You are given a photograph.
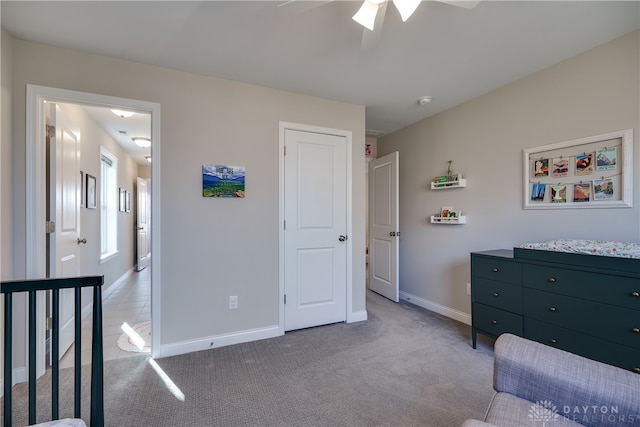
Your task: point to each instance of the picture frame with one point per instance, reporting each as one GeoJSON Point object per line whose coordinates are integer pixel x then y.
{"type": "Point", "coordinates": [611, 184]}
{"type": "Point", "coordinates": [121, 199]}
{"type": "Point", "coordinates": [369, 149]}
{"type": "Point", "coordinates": [127, 202]}
{"type": "Point", "coordinates": [82, 186]}
{"type": "Point", "coordinates": [223, 181]}
{"type": "Point", "coordinates": [91, 194]}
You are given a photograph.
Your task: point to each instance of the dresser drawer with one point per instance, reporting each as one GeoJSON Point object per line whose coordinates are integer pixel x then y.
{"type": "Point", "coordinates": [495, 321]}
{"type": "Point", "coordinates": [505, 296]}
{"type": "Point", "coordinates": [495, 268]}
{"type": "Point", "coordinates": [620, 325]}
{"type": "Point", "coordinates": [584, 345]}
{"type": "Point", "coordinates": [611, 289]}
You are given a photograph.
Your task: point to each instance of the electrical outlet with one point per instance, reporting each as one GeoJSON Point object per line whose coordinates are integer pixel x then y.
{"type": "Point", "coordinates": [468, 288]}
{"type": "Point", "coordinates": [233, 302]}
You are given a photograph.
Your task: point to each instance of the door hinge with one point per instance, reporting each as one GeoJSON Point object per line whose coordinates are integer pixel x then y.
{"type": "Point", "coordinates": [285, 224]}
{"type": "Point", "coordinates": [49, 325]}
{"type": "Point", "coordinates": [51, 131]}
{"type": "Point", "coordinates": [285, 298]}
{"type": "Point", "coordinates": [285, 150]}
{"type": "Point", "coordinates": [50, 227]}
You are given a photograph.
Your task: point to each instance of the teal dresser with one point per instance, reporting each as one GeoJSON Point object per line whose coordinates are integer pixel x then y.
{"type": "Point", "coordinates": [585, 304]}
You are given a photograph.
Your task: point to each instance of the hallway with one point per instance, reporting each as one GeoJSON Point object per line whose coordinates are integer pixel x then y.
{"type": "Point", "coordinates": [130, 302]}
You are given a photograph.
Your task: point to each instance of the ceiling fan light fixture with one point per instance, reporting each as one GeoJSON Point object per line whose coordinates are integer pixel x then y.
{"type": "Point", "coordinates": [122, 113]}
{"type": "Point", "coordinates": [406, 7]}
{"type": "Point", "coordinates": [366, 15]}
{"type": "Point", "coordinates": [142, 142]}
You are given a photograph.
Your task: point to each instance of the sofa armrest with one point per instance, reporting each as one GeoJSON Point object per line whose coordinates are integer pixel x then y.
{"type": "Point", "coordinates": [580, 388]}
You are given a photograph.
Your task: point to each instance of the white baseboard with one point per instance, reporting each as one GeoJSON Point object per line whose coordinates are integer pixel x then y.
{"type": "Point", "coordinates": [458, 315]}
{"type": "Point", "coordinates": [216, 341]}
{"type": "Point", "coordinates": [357, 316]}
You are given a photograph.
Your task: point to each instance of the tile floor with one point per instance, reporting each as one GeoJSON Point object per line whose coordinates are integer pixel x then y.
{"type": "Point", "coordinates": [130, 302]}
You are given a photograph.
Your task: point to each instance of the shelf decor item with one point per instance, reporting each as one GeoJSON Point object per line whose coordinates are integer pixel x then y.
{"type": "Point", "coordinates": [448, 215]}
{"type": "Point", "coordinates": [450, 180]}
{"type": "Point", "coordinates": [439, 181]}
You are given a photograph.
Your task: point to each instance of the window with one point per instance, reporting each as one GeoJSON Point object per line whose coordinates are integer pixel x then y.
{"type": "Point", "coordinates": [108, 205]}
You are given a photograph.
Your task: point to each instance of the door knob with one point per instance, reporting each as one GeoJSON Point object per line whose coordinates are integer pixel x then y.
{"type": "Point", "coordinates": [83, 241]}
{"type": "Point", "coordinates": [342, 238]}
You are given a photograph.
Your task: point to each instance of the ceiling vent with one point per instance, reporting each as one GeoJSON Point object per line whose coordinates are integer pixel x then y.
{"type": "Point", "coordinates": [122, 132]}
{"type": "Point", "coordinates": [373, 133]}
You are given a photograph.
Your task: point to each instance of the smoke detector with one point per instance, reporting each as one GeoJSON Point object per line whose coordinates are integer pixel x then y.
{"type": "Point", "coordinates": [424, 100]}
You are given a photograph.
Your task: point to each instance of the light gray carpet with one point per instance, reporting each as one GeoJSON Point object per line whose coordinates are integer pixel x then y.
{"type": "Point", "coordinates": [405, 366]}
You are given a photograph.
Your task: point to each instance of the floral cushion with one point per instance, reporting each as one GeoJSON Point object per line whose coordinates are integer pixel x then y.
{"type": "Point", "coordinates": [588, 247]}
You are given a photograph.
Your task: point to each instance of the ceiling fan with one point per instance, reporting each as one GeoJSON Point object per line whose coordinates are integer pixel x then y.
{"type": "Point", "coordinates": [371, 15]}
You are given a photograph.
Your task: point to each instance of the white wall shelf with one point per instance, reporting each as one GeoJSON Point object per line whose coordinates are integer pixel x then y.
{"type": "Point", "coordinates": [448, 184]}
{"type": "Point", "coordinates": [441, 220]}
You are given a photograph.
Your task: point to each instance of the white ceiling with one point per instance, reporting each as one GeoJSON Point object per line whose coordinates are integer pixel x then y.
{"type": "Point", "coordinates": [450, 53]}
{"type": "Point", "coordinates": [123, 129]}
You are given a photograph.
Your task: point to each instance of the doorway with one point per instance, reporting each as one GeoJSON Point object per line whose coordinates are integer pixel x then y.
{"type": "Point", "coordinates": [36, 254]}
{"type": "Point", "coordinates": [384, 226]}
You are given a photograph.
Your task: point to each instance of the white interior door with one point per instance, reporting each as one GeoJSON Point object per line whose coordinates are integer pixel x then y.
{"type": "Point", "coordinates": [384, 226]}
{"type": "Point", "coordinates": [142, 226]}
{"type": "Point", "coordinates": [65, 195]}
{"type": "Point", "coordinates": [315, 249]}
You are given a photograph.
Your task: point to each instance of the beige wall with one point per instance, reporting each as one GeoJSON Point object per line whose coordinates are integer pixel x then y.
{"type": "Point", "coordinates": [6, 235]}
{"type": "Point", "coordinates": [593, 93]}
{"type": "Point", "coordinates": [211, 248]}
{"type": "Point", "coordinates": [6, 267]}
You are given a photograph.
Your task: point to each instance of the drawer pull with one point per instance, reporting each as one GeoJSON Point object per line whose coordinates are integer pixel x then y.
{"type": "Point", "coordinates": [495, 322]}
{"type": "Point", "coordinates": [553, 341]}
{"type": "Point", "coordinates": [495, 294]}
{"type": "Point", "coordinates": [635, 294]}
{"type": "Point", "coordinates": [552, 280]}
{"type": "Point", "coordinates": [636, 370]}
{"type": "Point", "coordinates": [552, 309]}
{"type": "Point", "coordinates": [636, 330]}
{"type": "Point", "coordinates": [495, 269]}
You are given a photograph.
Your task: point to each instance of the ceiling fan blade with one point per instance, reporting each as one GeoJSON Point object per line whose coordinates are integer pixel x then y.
{"type": "Point", "coordinates": [371, 38]}
{"type": "Point", "coordinates": [467, 4]}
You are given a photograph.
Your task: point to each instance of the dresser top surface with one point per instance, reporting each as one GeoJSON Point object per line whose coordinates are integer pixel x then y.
{"type": "Point", "coordinates": [503, 253]}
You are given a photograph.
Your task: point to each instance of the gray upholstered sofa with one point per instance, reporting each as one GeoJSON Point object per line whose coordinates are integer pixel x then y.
{"type": "Point", "coordinates": [538, 385]}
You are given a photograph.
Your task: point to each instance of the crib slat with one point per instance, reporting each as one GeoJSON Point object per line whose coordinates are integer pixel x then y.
{"type": "Point", "coordinates": [78, 353]}
{"type": "Point", "coordinates": [32, 357]}
{"type": "Point", "coordinates": [8, 360]}
{"type": "Point", "coordinates": [55, 355]}
{"type": "Point", "coordinates": [97, 368]}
